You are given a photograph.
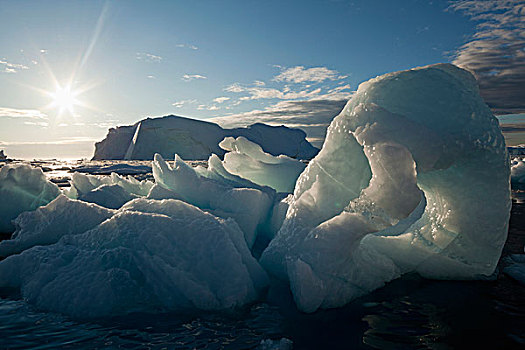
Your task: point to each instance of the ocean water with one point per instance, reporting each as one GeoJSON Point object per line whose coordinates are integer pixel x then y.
{"type": "Point", "coordinates": [408, 313]}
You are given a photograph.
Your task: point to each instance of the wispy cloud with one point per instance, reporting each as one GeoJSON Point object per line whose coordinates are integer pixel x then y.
{"type": "Point", "coordinates": [190, 77]}
{"type": "Point", "coordinates": [496, 53]}
{"type": "Point", "coordinates": [188, 46]}
{"type": "Point", "coordinates": [148, 57]}
{"type": "Point", "coordinates": [300, 74]}
{"type": "Point", "coordinates": [7, 67]}
{"type": "Point", "coordinates": [269, 93]}
{"type": "Point", "coordinates": [302, 85]}
{"type": "Point", "coordinates": [21, 113]}
{"type": "Point", "coordinates": [221, 99]}
{"type": "Point", "coordinates": [180, 104]}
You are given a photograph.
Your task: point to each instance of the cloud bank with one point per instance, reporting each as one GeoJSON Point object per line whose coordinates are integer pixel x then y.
{"type": "Point", "coordinates": [496, 53]}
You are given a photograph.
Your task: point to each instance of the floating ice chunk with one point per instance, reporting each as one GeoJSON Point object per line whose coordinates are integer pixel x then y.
{"type": "Point", "coordinates": [516, 267]}
{"type": "Point", "coordinates": [248, 160]}
{"type": "Point", "coordinates": [413, 176]}
{"type": "Point", "coordinates": [138, 261]}
{"type": "Point", "coordinates": [517, 170]}
{"type": "Point", "coordinates": [46, 225]}
{"type": "Point", "coordinates": [216, 171]}
{"type": "Point", "coordinates": [249, 207]}
{"type": "Point", "coordinates": [22, 188]}
{"type": "Point", "coordinates": [269, 344]}
{"type": "Point", "coordinates": [82, 184]}
{"type": "Point", "coordinates": [109, 196]}
{"type": "Point", "coordinates": [121, 169]}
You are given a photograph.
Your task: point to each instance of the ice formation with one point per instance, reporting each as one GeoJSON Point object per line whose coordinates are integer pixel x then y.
{"type": "Point", "coordinates": [120, 169]}
{"type": "Point", "coordinates": [46, 225]}
{"type": "Point", "coordinates": [110, 191]}
{"type": "Point", "coordinates": [151, 256]}
{"type": "Point", "coordinates": [250, 207]}
{"type": "Point", "coordinates": [515, 267]}
{"type": "Point", "coordinates": [517, 170]}
{"type": "Point", "coordinates": [22, 188]}
{"type": "Point", "coordinates": [413, 176]}
{"type": "Point", "coordinates": [247, 159]}
{"type": "Point", "coordinates": [195, 139]}
{"type": "Point", "coordinates": [2, 155]}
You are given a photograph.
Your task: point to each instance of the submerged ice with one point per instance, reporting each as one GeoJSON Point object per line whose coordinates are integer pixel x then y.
{"type": "Point", "coordinates": [413, 177]}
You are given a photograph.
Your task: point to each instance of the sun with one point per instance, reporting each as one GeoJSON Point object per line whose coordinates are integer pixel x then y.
{"type": "Point", "coordinates": [64, 98]}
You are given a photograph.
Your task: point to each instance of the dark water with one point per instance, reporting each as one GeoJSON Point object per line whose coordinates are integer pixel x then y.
{"type": "Point", "coordinates": [409, 313]}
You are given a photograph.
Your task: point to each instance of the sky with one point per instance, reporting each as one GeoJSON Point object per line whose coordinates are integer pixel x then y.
{"type": "Point", "coordinates": [69, 70]}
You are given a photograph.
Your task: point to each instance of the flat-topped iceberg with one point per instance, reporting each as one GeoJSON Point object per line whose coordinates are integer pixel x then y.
{"type": "Point", "coordinates": [413, 176]}
{"type": "Point", "coordinates": [196, 140]}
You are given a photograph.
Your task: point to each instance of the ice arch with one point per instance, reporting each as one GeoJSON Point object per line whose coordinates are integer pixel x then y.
{"type": "Point", "coordinates": [413, 176]}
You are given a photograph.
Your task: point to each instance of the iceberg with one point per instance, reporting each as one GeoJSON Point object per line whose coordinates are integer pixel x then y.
{"type": "Point", "coordinates": [413, 177]}
{"type": "Point", "coordinates": [517, 170]}
{"type": "Point", "coordinates": [247, 160]}
{"type": "Point", "coordinates": [249, 207]}
{"type": "Point", "coordinates": [515, 267]}
{"type": "Point", "coordinates": [108, 191]}
{"type": "Point", "coordinates": [195, 140]}
{"type": "Point", "coordinates": [46, 225]}
{"type": "Point", "coordinates": [151, 256]}
{"type": "Point", "coordinates": [22, 188]}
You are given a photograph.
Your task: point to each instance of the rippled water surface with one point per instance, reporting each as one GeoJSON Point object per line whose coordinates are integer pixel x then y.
{"type": "Point", "coordinates": [409, 313]}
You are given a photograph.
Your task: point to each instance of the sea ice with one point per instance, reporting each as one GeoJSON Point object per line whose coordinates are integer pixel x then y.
{"type": "Point", "coordinates": [515, 267]}
{"type": "Point", "coordinates": [151, 256]}
{"type": "Point", "coordinates": [46, 225]}
{"type": "Point", "coordinates": [22, 188]}
{"type": "Point", "coordinates": [517, 170]}
{"type": "Point", "coordinates": [249, 207]}
{"type": "Point", "coordinates": [247, 160]}
{"type": "Point", "coordinates": [413, 176]}
{"type": "Point", "coordinates": [108, 191]}
{"type": "Point", "coordinates": [120, 169]}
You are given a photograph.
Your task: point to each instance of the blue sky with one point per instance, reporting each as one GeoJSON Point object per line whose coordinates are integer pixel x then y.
{"type": "Point", "coordinates": [291, 62]}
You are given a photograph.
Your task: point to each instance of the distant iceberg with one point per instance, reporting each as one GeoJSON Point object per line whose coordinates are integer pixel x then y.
{"type": "Point", "coordinates": [195, 140]}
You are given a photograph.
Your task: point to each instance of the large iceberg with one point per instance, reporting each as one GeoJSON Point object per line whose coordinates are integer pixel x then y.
{"type": "Point", "coordinates": [22, 188]}
{"type": "Point", "coordinates": [195, 140]}
{"type": "Point", "coordinates": [413, 176]}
